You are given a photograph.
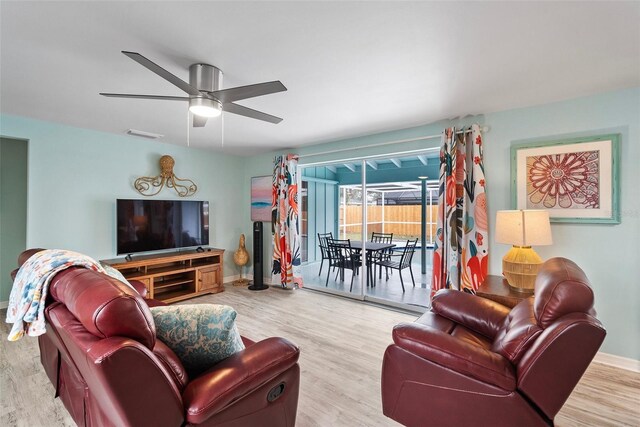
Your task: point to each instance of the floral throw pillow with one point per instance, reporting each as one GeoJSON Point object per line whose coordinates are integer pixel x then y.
{"type": "Point", "coordinates": [201, 335]}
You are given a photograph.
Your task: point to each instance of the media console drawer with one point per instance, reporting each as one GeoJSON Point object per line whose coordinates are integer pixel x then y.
{"type": "Point", "coordinates": [175, 276]}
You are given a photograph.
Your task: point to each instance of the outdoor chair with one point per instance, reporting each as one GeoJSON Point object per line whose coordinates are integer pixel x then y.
{"type": "Point", "coordinates": [324, 250]}
{"type": "Point", "coordinates": [400, 261]}
{"type": "Point", "coordinates": [382, 255]}
{"type": "Point", "coordinates": [343, 256]}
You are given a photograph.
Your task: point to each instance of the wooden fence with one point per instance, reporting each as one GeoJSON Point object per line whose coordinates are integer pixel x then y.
{"type": "Point", "coordinates": [401, 220]}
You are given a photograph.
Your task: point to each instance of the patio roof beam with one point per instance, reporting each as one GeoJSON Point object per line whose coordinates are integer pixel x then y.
{"type": "Point", "coordinates": [350, 166]}
{"type": "Point", "coordinates": [423, 160]}
{"type": "Point", "coordinates": [372, 164]}
{"type": "Point", "coordinates": [388, 186]}
{"type": "Point", "coordinates": [321, 180]}
{"type": "Point", "coordinates": [331, 168]}
{"type": "Point", "coordinates": [396, 162]}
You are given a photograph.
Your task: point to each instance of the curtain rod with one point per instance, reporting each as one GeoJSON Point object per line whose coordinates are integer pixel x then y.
{"type": "Point", "coordinates": [484, 129]}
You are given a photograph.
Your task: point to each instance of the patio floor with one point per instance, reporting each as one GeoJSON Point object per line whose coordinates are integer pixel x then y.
{"type": "Point", "coordinates": [390, 290]}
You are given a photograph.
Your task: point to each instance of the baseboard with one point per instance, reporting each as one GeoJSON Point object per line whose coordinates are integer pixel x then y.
{"type": "Point", "coordinates": [267, 280]}
{"type": "Point", "coordinates": [618, 361]}
{"type": "Point", "coordinates": [229, 279]}
{"type": "Point", "coordinates": [4, 304]}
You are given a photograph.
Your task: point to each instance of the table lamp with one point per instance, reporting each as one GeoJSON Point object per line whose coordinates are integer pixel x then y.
{"type": "Point", "coordinates": [522, 229]}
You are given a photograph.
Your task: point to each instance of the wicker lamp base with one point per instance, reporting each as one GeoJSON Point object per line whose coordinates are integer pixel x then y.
{"type": "Point", "coordinates": [520, 267]}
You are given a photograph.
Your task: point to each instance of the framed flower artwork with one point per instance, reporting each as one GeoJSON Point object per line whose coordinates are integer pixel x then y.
{"type": "Point", "coordinates": [576, 180]}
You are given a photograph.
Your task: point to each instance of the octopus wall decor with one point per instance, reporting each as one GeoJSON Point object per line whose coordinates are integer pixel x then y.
{"type": "Point", "coordinates": [152, 185]}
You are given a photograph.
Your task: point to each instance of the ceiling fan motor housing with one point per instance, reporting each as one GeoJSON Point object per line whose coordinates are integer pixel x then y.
{"type": "Point", "coordinates": [205, 77]}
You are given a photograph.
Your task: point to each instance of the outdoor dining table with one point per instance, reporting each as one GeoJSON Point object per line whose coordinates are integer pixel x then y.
{"type": "Point", "coordinates": [371, 248]}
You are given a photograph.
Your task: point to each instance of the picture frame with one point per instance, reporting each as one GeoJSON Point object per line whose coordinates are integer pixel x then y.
{"type": "Point", "coordinates": [576, 180]}
{"type": "Point", "coordinates": [261, 187]}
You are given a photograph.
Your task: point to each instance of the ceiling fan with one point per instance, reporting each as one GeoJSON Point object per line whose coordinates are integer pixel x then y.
{"type": "Point", "coordinates": [206, 99]}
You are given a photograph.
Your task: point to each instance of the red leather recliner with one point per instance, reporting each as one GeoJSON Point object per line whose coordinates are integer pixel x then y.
{"type": "Point", "coordinates": [472, 361]}
{"type": "Point", "coordinates": [101, 354]}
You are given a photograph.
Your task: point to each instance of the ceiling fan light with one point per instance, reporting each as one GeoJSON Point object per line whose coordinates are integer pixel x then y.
{"type": "Point", "coordinates": [205, 107]}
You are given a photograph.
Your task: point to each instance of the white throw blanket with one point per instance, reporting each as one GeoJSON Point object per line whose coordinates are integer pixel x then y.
{"type": "Point", "coordinates": [29, 291]}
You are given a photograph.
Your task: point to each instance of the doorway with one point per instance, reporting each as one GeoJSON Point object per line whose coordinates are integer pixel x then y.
{"type": "Point", "coordinates": [13, 208]}
{"type": "Point", "coordinates": [357, 201]}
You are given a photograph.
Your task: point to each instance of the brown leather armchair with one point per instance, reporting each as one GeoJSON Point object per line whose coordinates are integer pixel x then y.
{"type": "Point", "coordinates": [472, 361]}
{"type": "Point", "coordinates": [101, 354]}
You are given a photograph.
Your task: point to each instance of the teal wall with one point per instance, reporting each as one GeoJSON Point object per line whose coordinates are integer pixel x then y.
{"type": "Point", "coordinates": [75, 175]}
{"type": "Point", "coordinates": [607, 253]}
{"type": "Point", "coordinates": [13, 208]}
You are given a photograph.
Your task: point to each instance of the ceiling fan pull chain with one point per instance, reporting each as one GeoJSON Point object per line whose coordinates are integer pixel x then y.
{"type": "Point", "coordinates": [188, 128]}
{"type": "Point", "coordinates": [222, 130]}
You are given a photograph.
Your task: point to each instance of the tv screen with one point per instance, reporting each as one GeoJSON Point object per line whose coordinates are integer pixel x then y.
{"type": "Point", "coordinates": [152, 225]}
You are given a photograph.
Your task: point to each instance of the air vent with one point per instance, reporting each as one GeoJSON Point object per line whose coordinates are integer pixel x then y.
{"type": "Point", "coordinates": [143, 134]}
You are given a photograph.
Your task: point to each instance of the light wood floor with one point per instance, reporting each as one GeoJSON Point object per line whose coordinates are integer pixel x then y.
{"type": "Point", "coordinates": [342, 343]}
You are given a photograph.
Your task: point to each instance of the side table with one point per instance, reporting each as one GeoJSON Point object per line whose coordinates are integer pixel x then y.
{"type": "Point", "coordinates": [497, 289]}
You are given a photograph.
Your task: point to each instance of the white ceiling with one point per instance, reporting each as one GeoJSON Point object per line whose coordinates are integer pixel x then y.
{"type": "Point", "coordinates": [352, 68]}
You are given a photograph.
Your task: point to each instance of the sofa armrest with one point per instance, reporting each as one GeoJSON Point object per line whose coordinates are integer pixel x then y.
{"type": "Point", "coordinates": [478, 314]}
{"type": "Point", "coordinates": [139, 287]}
{"type": "Point", "coordinates": [142, 290]}
{"type": "Point", "coordinates": [248, 342]}
{"type": "Point", "coordinates": [236, 376]}
{"type": "Point", "coordinates": [457, 355]}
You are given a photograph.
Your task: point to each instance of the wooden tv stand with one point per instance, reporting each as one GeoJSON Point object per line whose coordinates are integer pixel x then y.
{"type": "Point", "coordinates": [175, 276]}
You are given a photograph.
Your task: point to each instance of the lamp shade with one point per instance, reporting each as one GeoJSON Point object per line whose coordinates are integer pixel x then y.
{"type": "Point", "coordinates": [523, 227]}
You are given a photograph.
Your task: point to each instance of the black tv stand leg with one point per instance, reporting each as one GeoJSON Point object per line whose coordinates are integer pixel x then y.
{"type": "Point", "coordinates": [129, 257]}
{"type": "Point", "coordinates": [199, 249]}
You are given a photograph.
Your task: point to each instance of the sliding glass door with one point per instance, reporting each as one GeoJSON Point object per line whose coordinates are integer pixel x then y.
{"type": "Point", "coordinates": [376, 207]}
{"type": "Point", "coordinates": [402, 211]}
{"type": "Point", "coordinates": [319, 223]}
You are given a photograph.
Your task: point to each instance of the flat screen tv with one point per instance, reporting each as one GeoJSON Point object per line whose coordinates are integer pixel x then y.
{"type": "Point", "coordinates": [154, 225]}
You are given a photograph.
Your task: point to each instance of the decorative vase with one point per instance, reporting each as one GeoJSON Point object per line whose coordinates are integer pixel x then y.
{"type": "Point", "coordinates": [241, 258]}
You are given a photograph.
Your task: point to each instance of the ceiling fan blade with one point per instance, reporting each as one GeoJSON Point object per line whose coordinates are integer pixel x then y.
{"type": "Point", "coordinates": [162, 73]}
{"type": "Point", "coordinates": [199, 121]}
{"type": "Point", "coordinates": [126, 95]}
{"type": "Point", "coordinates": [250, 91]}
{"type": "Point", "coordinates": [248, 112]}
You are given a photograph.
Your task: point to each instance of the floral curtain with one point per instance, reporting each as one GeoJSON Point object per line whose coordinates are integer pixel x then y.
{"type": "Point", "coordinates": [460, 257]}
{"type": "Point", "coordinates": [285, 223]}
